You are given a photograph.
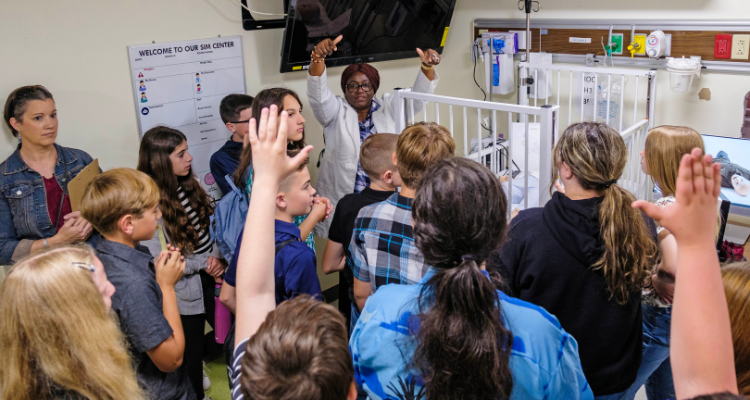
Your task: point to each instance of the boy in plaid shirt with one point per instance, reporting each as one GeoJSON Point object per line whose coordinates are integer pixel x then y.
{"type": "Point", "coordinates": [382, 247]}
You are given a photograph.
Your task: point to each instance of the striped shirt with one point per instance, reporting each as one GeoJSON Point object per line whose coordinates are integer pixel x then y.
{"type": "Point", "coordinates": [234, 370]}
{"type": "Point", "coordinates": [204, 238]}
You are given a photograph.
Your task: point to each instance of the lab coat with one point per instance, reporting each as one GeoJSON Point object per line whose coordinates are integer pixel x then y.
{"type": "Point", "coordinates": [338, 168]}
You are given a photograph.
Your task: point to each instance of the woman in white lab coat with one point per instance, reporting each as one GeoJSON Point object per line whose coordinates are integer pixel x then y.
{"type": "Point", "coordinates": [349, 120]}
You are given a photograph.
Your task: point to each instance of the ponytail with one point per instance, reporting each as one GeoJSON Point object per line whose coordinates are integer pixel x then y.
{"type": "Point", "coordinates": [459, 218]}
{"type": "Point", "coordinates": [461, 328]}
{"type": "Point", "coordinates": [629, 249]}
{"type": "Point", "coordinates": [597, 155]}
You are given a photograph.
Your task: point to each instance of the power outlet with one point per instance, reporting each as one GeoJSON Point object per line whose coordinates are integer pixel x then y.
{"type": "Point", "coordinates": [740, 47]}
{"type": "Point", "coordinates": [723, 46]}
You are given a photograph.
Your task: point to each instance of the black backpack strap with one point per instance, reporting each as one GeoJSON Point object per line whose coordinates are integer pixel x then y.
{"type": "Point", "coordinates": [284, 244]}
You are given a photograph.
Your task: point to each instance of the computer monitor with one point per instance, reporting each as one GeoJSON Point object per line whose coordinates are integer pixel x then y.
{"type": "Point", "coordinates": [733, 154]}
{"type": "Point", "coordinates": [372, 30]}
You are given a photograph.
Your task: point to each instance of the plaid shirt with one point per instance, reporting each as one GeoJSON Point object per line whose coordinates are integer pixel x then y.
{"type": "Point", "coordinates": [366, 128]}
{"type": "Point", "coordinates": [383, 248]}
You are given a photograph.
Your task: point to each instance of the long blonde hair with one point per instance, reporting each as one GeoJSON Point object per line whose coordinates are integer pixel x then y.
{"type": "Point", "coordinates": [737, 289]}
{"type": "Point", "coordinates": [56, 333]}
{"type": "Point", "coordinates": [665, 146]}
{"type": "Point", "coordinates": [597, 155]}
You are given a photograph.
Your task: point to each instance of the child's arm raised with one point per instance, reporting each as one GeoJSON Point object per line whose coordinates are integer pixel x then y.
{"type": "Point", "coordinates": [701, 351]}
{"type": "Point", "coordinates": [255, 263]}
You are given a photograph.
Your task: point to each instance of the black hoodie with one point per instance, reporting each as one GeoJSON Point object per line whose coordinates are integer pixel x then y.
{"type": "Point", "coordinates": [547, 261]}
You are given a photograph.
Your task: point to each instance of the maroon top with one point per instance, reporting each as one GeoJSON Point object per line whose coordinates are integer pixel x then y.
{"type": "Point", "coordinates": [54, 192]}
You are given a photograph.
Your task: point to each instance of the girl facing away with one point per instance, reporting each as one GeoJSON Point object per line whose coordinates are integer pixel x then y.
{"type": "Point", "coordinates": [453, 335]}
{"type": "Point", "coordinates": [58, 339]}
{"type": "Point", "coordinates": [665, 146]}
{"type": "Point", "coordinates": [585, 256]}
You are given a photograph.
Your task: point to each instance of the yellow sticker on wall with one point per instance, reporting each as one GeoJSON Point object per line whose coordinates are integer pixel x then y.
{"type": "Point", "coordinates": [445, 36]}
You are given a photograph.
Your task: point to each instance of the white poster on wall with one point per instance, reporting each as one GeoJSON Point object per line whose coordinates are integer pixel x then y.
{"type": "Point", "coordinates": [180, 85]}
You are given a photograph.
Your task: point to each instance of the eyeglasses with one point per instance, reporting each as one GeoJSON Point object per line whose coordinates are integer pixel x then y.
{"type": "Point", "coordinates": [239, 122]}
{"type": "Point", "coordinates": [88, 267]}
{"type": "Point", "coordinates": [21, 93]}
{"type": "Point", "coordinates": [354, 87]}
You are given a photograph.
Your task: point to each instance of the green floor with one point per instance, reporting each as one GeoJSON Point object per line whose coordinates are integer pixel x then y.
{"type": "Point", "coordinates": [217, 372]}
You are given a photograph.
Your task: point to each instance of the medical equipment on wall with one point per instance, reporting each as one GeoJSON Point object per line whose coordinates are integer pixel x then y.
{"type": "Point", "coordinates": [543, 83]}
{"type": "Point", "coordinates": [682, 71]}
{"type": "Point", "coordinates": [500, 48]}
{"type": "Point", "coordinates": [658, 44]}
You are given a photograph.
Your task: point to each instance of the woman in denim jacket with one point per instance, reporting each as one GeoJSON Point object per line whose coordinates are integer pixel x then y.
{"type": "Point", "coordinates": [34, 205]}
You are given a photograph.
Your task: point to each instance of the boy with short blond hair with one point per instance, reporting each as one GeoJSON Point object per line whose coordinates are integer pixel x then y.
{"type": "Point", "coordinates": [382, 246]}
{"type": "Point", "coordinates": [376, 157]}
{"type": "Point", "coordinates": [123, 205]}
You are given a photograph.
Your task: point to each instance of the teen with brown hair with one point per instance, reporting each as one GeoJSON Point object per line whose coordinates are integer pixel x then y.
{"type": "Point", "coordinates": [286, 101]}
{"type": "Point", "coordinates": [382, 245]}
{"type": "Point", "coordinates": [585, 256]}
{"type": "Point", "coordinates": [298, 350]}
{"type": "Point", "coordinates": [186, 210]}
{"type": "Point", "coordinates": [58, 343]}
{"type": "Point", "coordinates": [453, 335]}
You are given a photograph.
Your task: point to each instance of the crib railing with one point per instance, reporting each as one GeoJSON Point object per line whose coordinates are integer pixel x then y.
{"type": "Point", "coordinates": [411, 107]}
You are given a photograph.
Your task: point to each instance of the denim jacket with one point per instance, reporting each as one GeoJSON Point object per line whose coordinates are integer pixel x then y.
{"type": "Point", "coordinates": [24, 217]}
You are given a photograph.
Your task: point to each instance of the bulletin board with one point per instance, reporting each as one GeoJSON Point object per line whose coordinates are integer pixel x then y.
{"type": "Point", "coordinates": [180, 85]}
{"type": "Point", "coordinates": [688, 38]}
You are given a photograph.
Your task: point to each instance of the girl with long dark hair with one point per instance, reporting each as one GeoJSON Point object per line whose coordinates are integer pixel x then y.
{"type": "Point", "coordinates": [453, 335]}
{"type": "Point", "coordinates": [586, 255]}
{"type": "Point", "coordinates": [186, 210]}
{"type": "Point", "coordinates": [287, 101]}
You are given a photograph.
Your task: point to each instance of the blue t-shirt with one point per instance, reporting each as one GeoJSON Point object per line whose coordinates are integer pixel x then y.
{"type": "Point", "coordinates": [544, 359]}
{"type": "Point", "coordinates": [295, 268]}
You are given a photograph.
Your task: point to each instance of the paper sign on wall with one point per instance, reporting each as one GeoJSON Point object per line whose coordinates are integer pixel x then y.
{"type": "Point", "coordinates": [180, 85]}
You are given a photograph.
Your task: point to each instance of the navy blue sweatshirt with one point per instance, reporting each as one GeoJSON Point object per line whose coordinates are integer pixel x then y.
{"type": "Point", "coordinates": [547, 261]}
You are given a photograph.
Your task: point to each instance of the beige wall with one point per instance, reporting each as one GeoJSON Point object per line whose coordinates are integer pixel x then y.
{"type": "Point", "coordinates": [77, 48]}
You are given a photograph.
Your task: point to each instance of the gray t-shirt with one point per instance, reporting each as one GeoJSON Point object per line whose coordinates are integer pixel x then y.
{"type": "Point", "coordinates": [138, 303]}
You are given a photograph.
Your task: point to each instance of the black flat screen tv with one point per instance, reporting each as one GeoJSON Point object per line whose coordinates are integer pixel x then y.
{"type": "Point", "coordinates": [373, 30]}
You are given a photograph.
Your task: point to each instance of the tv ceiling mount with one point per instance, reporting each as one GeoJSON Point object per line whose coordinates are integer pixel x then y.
{"type": "Point", "coordinates": [251, 24]}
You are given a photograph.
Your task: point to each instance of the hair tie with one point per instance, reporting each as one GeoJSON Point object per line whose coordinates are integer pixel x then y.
{"type": "Point", "coordinates": [468, 257]}
{"type": "Point", "coordinates": [609, 183]}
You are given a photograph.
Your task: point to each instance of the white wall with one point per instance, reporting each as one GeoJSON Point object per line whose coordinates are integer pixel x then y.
{"type": "Point", "coordinates": [77, 49]}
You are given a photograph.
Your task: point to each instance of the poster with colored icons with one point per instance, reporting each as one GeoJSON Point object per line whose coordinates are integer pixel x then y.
{"type": "Point", "coordinates": [180, 85]}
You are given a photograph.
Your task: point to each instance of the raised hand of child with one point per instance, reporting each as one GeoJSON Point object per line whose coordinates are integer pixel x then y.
{"type": "Point", "coordinates": [692, 218]}
{"type": "Point", "coordinates": [169, 267]}
{"type": "Point", "coordinates": [269, 147]}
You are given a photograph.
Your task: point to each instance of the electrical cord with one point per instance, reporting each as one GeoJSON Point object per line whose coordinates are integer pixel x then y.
{"type": "Point", "coordinates": [253, 11]}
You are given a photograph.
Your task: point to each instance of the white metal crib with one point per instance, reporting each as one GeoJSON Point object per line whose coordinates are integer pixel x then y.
{"type": "Point", "coordinates": [497, 153]}
{"type": "Point", "coordinates": [531, 193]}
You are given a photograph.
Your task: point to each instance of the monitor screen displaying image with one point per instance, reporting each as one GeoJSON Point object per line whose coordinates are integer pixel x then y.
{"type": "Point", "coordinates": [372, 30]}
{"type": "Point", "coordinates": [733, 154]}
